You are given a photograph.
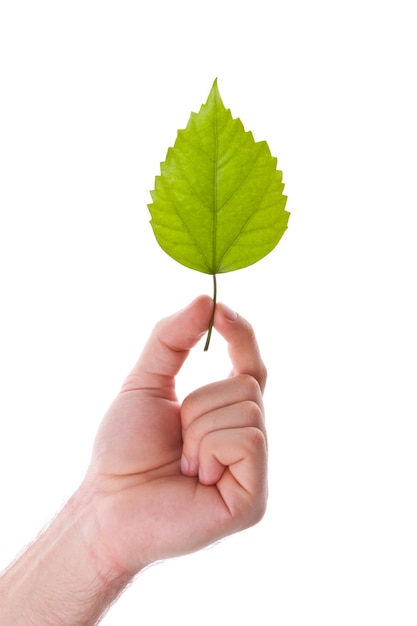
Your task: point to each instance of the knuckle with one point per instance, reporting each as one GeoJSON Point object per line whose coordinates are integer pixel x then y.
{"type": "Point", "coordinates": [250, 332]}
{"type": "Point", "coordinates": [263, 375]}
{"type": "Point", "coordinates": [252, 413]}
{"type": "Point", "coordinates": [159, 327]}
{"type": "Point", "coordinates": [256, 439]}
{"type": "Point", "coordinates": [190, 407]}
{"type": "Point", "coordinates": [253, 443]}
{"type": "Point", "coordinates": [250, 386]}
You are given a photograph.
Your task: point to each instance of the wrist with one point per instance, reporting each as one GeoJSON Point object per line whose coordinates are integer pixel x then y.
{"type": "Point", "coordinates": [84, 511]}
{"type": "Point", "coordinates": [65, 576]}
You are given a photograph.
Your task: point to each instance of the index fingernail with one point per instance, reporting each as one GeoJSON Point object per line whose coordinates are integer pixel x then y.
{"type": "Point", "coordinates": [229, 313]}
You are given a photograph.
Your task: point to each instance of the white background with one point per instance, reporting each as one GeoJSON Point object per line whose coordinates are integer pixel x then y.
{"type": "Point", "coordinates": [92, 94]}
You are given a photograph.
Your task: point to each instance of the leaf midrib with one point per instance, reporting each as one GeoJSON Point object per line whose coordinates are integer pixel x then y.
{"type": "Point", "coordinates": [215, 183]}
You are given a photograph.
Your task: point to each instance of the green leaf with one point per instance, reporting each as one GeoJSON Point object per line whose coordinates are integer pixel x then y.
{"type": "Point", "coordinates": [218, 204]}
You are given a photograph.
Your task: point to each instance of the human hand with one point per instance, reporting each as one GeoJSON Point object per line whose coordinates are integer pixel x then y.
{"type": "Point", "coordinates": [168, 478]}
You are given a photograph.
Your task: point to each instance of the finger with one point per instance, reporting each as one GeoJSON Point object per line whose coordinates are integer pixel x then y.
{"type": "Point", "coordinates": [240, 415]}
{"type": "Point", "coordinates": [243, 347]}
{"type": "Point", "coordinates": [217, 395]}
{"type": "Point", "coordinates": [168, 346]}
{"type": "Point", "coordinates": [235, 461]}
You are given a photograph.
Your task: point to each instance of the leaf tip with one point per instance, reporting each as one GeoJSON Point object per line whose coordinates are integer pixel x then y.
{"type": "Point", "coordinates": [215, 89]}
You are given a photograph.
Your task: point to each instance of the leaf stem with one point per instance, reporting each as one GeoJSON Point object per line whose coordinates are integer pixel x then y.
{"type": "Point", "coordinates": [210, 328]}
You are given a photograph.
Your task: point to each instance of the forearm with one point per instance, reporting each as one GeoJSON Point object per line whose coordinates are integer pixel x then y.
{"type": "Point", "coordinates": [63, 578]}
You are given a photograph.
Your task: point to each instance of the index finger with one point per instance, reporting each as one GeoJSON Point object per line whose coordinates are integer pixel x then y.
{"type": "Point", "coordinates": [242, 344]}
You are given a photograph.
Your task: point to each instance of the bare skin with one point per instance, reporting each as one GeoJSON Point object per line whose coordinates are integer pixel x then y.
{"type": "Point", "coordinates": [165, 478]}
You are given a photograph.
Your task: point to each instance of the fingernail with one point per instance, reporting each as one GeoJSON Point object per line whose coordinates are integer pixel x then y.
{"type": "Point", "coordinates": [229, 313]}
{"type": "Point", "coordinates": [185, 466]}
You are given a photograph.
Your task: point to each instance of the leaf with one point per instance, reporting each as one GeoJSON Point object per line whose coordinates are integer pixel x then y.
{"type": "Point", "coordinates": [218, 204]}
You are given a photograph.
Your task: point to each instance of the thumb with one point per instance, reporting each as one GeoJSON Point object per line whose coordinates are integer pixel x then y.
{"type": "Point", "coordinates": [169, 345]}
